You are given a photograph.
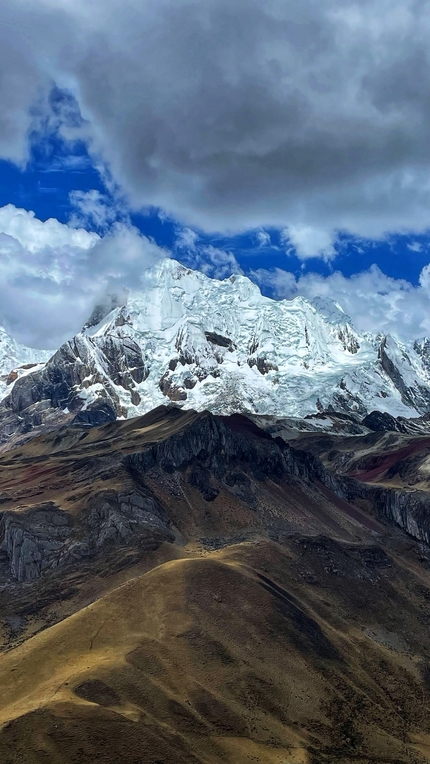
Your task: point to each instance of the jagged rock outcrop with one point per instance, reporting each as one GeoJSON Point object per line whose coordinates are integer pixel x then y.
{"type": "Point", "coordinates": [116, 518]}
{"type": "Point", "coordinates": [381, 421]}
{"type": "Point", "coordinates": [216, 443]}
{"type": "Point", "coordinates": [47, 537]}
{"type": "Point", "coordinates": [399, 367]}
{"type": "Point", "coordinates": [408, 509]}
{"type": "Point", "coordinates": [35, 540]}
{"type": "Point", "coordinates": [208, 453]}
{"type": "Point", "coordinates": [118, 488]}
{"type": "Point", "coordinates": [77, 384]}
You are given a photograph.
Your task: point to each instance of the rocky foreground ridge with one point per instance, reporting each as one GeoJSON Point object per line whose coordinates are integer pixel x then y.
{"type": "Point", "coordinates": [216, 589]}
{"type": "Point", "coordinates": [78, 494]}
{"type": "Point", "coordinates": [205, 344]}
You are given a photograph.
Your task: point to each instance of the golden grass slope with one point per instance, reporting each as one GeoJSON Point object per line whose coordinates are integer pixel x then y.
{"type": "Point", "coordinates": [220, 658]}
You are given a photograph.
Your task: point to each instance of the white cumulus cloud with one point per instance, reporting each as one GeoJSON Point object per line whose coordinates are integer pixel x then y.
{"type": "Point", "coordinates": [52, 275]}
{"type": "Point", "coordinates": [308, 241]}
{"type": "Point", "coordinates": [376, 302]}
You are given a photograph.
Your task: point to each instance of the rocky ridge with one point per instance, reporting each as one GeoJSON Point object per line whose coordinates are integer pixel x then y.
{"type": "Point", "coordinates": [110, 487]}
{"type": "Point", "coordinates": [211, 589]}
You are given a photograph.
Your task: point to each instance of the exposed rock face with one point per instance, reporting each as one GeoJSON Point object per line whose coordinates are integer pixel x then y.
{"type": "Point", "coordinates": [397, 364]}
{"type": "Point", "coordinates": [410, 510]}
{"type": "Point", "coordinates": [116, 518]}
{"type": "Point", "coordinates": [78, 365]}
{"type": "Point", "coordinates": [217, 444]}
{"type": "Point", "coordinates": [124, 484]}
{"type": "Point", "coordinates": [34, 541]}
{"type": "Point", "coordinates": [209, 454]}
{"type": "Point", "coordinates": [218, 339]}
{"type": "Point", "coordinates": [381, 421]}
{"type": "Point", "coordinates": [47, 537]}
{"type": "Point", "coordinates": [97, 413]}
{"type": "Point", "coordinates": [78, 383]}
{"type": "Point", "coordinates": [171, 391]}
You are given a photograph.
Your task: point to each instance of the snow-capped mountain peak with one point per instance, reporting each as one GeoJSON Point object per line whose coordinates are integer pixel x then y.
{"type": "Point", "coordinates": [221, 345]}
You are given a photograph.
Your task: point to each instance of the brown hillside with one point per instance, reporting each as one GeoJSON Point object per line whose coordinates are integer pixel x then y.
{"type": "Point", "coordinates": [274, 623]}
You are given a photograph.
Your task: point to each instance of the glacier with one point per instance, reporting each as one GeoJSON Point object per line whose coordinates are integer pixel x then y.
{"type": "Point", "coordinates": [200, 343]}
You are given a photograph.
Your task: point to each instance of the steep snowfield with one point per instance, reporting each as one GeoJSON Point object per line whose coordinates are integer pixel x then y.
{"type": "Point", "coordinates": [221, 345]}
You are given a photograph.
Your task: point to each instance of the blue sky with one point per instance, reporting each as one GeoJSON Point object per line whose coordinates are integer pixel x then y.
{"type": "Point", "coordinates": [287, 141]}
{"type": "Point", "coordinates": [55, 169]}
{"type": "Point", "coordinates": [59, 174]}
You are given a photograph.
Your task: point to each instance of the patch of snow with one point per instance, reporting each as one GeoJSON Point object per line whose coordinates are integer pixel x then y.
{"type": "Point", "coordinates": [13, 357]}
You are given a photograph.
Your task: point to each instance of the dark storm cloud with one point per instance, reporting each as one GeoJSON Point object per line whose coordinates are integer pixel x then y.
{"type": "Point", "coordinates": [234, 114]}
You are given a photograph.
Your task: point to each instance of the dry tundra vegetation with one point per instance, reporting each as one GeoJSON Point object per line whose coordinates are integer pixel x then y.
{"type": "Point", "coordinates": [188, 589]}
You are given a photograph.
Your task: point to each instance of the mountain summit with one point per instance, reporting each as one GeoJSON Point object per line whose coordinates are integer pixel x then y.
{"type": "Point", "coordinates": [203, 344]}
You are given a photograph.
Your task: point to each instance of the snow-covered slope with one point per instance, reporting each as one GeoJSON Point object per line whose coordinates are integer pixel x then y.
{"type": "Point", "coordinates": [17, 360]}
{"type": "Point", "coordinates": [221, 345]}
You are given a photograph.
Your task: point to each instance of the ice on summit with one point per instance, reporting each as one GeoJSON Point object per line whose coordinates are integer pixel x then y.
{"type": "Point", "coordinates": [221, 345]}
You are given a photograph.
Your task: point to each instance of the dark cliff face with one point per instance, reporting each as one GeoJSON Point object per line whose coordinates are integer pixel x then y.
{"type": "Point", "coordinates": [416, 396]}
{"type": "Point", "coordinates": [387, 472]}
{"type": "Point", "coordinates": [218, 444]}
{"type": "Point", "coordinates": [117, 506]}
{"type": "Point", "coordinates": [408, 509]}
{"type": "Point", "coordinates": [381, 421]}
{"type": "Point", "coordinates": [139, 484]}
{"type": "Point", "coordinates": [56, 393]}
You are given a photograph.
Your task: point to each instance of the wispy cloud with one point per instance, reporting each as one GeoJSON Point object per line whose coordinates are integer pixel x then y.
{"type": "Point", "coordinates": [213, 261]}
{"type": "Point", "coordinates": [95, 210]}
{"type": "Point", "coordinates": [263, 238]}
{"type": "Point", "coordinates": [415, 246]}
{"type": "Point", "coordinates": [375, 301]}
{"type": "Point", "coordinates": [186, 239]}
